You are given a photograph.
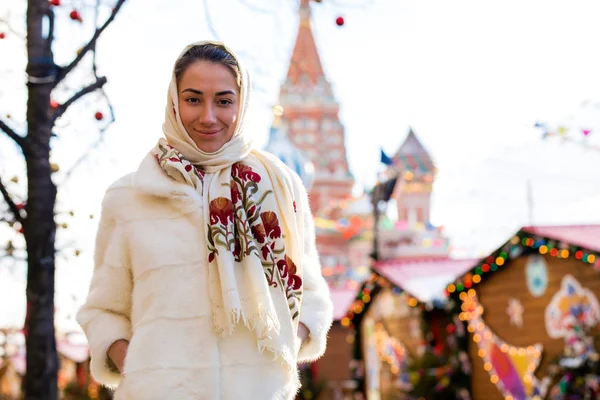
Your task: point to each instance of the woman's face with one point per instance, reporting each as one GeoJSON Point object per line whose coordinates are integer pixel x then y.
{"type": "Point", "coordinates": [208, 104]}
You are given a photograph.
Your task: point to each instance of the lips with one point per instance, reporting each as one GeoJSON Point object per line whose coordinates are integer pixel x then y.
{"type": "Point", "coordinates": [208, 133]}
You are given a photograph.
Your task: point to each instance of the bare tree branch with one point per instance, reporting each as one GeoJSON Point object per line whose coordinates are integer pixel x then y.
{"type": "Point", "coordinates": [91, 44]}
{"type": "Point", "coordinates": [11, 29]}
{"type": "Point", "coordinates": [11, 204]}
{"type": "Point", "coordinates": [20, 140]}
{"type": "Point", "coordinates": [88, 89]}
{"type": "Point", "coordinates": [82, 158]}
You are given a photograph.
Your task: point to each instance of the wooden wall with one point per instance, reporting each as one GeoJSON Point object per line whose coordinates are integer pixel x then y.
{"type": "Point", "coordinates": [401, 322]}
{"type": "Point", "coordinates": [334, 365]}
{"type": "Point", "coordinates": [508, 282]}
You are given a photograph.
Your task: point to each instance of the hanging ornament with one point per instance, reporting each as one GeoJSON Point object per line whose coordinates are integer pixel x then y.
{"type": "Point", "coordinates": [2, 35]}
{"type": "Point", "coordinates": [14, 179]}
{"type": "Point", "coordinates": [562, 130]}
{"type": "Point", "coordinates": [515, 312]}
{"type": "Point", "coordinates": [585, 132]}
{"type": "Point", "coordinates": [77, 253]}
{"type": "Point", "coordinates": [536, 275]}
{"type": "Point", "coordinates": [54, 104]}
{"type": "Point", "coordinates": [99, 116]}
{"type": "Point", "coordinates": [54, 167]}
{"type": "Point", "coordinates": [75, 16]}
{"type": "Point", "coordinates": [339, 21]}
{"type": "Point", "coordinates": [572, 306]}
{"type": "Point", "coordinates": [54, 2]}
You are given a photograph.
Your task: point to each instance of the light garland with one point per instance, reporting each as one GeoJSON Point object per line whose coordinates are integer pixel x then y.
{"type": "Point", "coordinates": [485, 340]}
{"type": "Point", "coordinates": [390, 350]}
{"type": "Point", "coordinates": [360, 305]}
{"type": "Point", "coordinates": [513, 249]}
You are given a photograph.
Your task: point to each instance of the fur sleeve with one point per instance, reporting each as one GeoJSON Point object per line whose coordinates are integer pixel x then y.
{"type": "Point", "coordinates": [105, 315]}
{"type": "Point", "coordinates": [317, 309]}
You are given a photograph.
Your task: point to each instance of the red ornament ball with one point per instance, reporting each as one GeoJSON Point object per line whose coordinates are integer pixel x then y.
{"type": "Point", "coordinates": [54, 104]}
{"type": "Point", "coordinates": [75, 16]}
{"type": "Point", "coordinates": [54, 2]}
{"type": "Point", "coordinates": [2, 35]}
{"type": "Point", "coordinates": [339, 21]}
{"type": "Point", "coordinates": [99, 115]}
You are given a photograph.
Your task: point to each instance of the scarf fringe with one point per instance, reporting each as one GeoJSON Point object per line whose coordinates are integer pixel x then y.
{"type": "Point", "coordinates": [264, 324]}
{"type": "Point", "coordinates": [270, 323]}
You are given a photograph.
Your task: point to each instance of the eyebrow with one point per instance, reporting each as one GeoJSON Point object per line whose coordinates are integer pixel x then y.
{"type": "Point", "coordinates": [198, 92]}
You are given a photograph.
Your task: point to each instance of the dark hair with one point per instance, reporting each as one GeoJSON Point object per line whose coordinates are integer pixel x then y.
{"type": "Point", "coordinates": [208, 52]}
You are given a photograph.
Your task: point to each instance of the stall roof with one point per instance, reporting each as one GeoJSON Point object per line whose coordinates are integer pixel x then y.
{"type": "Point", "coordinates": [342, 300]}
{"type": "Point", "coordinates": [587, 236]}
{"type": "Point", "coordinates": [583, 237]}
{"type": "Point", "coordinates": [425, 279]}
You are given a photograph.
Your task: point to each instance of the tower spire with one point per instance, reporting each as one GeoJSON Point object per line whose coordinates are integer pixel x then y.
{"type": "Point", "coordinates": [310, 117]}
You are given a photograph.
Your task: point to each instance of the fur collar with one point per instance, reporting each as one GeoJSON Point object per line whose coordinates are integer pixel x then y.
{"type": "Point", "coordinates": [151, 180]}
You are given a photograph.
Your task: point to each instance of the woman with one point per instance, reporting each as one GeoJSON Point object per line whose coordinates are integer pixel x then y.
{"type": "Point", "coordinates": [207, 283]}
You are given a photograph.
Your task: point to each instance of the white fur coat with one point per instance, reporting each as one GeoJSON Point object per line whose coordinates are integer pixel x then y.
{"type": "Point", "coordinates": [150, 287]}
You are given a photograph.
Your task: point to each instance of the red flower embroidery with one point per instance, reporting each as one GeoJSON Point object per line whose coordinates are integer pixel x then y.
{"type": "Point", "coordinates": [258, 231]}
{"type": "Point", "coordinates": [295, 210]}
{"type": "Point", "coordinates": [295, 282]}
{"type": "Point", "coordinates": [221, 209]}
{"type": "Point", "coordinates": [235, 192]}
{"type": "Point", "coordinates": [211, 257]}
{"type": "Point", "coordinates": [245, 173]}
{"type": "Point", "coordinates": [199, 172]}
{"type": "Point", "coordinates": [174, 159]}
{"type": "Point", "coordinates": [283, 267]}
{"type": "Point", "coordinates": [271, 224]}
{"type": "Point", "coordinates": [251, 211]}
{"type": "Point", "coordinates": [265, 251]}
{"type": "Point", "coordinates": [288, 269]}
{"type": "Point", "coordinates": [188, 168]}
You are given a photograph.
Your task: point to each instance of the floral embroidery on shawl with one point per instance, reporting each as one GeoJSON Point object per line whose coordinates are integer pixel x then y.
{"type": "Point", "coordinates": [240, 225]}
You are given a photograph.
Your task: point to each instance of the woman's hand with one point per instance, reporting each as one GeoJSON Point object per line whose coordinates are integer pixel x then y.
{"type": "Point", "coordinates": [303, 332]}
{"type": "Point", "coordinates": [117, 353]}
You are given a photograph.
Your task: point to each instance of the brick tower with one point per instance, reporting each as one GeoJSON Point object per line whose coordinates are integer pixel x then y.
{"type": "Point", "coordinates": [413, 196]}
{"type": "Point", "coordinates": [310, 116]}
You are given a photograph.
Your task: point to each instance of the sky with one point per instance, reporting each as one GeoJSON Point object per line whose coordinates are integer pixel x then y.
{"type": "Point", "coordinates": [470, 77]}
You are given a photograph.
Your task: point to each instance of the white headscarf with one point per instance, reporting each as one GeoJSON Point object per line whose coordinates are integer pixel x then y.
{"type": "Point", "coordinates": [237, 148]}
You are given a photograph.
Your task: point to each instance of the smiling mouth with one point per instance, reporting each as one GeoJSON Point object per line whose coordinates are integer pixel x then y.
{"type": "Point", "coordinates": [208, 133]}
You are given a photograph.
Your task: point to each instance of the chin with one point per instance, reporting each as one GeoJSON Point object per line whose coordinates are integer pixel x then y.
{"type": "Point", "coordinates": [209, 147]}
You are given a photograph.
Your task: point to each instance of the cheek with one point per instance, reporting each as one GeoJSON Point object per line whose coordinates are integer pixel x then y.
{"type": "Point", "coordinates": [186, 113]}
{"type": "Point", "coordinates": [230, 118]}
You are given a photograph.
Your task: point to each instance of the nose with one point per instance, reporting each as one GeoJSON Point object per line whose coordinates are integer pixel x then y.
{"type": "Point", "coordinates": [208, 115]}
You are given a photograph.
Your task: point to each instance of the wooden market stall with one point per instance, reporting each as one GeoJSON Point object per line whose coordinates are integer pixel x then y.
{"type": "Point", "coordinates": [532, 313]}
{"type": "Point", "coordinates": [406, 344]}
